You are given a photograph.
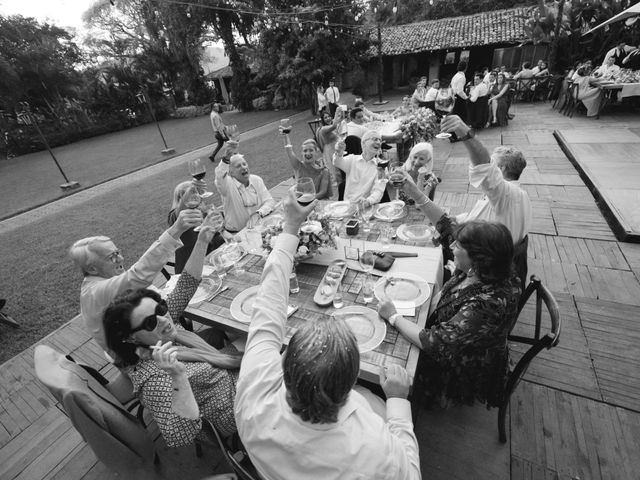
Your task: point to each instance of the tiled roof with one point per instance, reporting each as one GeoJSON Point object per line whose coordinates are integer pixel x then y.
{"type": "Point", "coordinates": [487, 28]}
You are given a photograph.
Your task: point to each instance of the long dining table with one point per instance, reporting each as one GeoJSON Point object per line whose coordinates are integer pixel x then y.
{"type": "Point", "coordinates": [394, 349]}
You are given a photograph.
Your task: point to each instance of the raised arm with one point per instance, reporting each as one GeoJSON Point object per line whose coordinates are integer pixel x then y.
{"type": "Point", "coordinates": [288, 147]}
{"type": "Point", "coordinates": [339, 159]}
{"type": "Point", "coordinates": [478, 154]}
{"type": "Point", "coordinates": [220, 179]}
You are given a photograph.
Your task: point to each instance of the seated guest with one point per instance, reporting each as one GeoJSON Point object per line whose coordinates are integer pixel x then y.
{"type": "Point", "coordinates": [608, 70]}
{"type": "Point", "coordinates": [537, 68]}
{"type": "Point", "coordinates": [464, 355]}
{"type": "Point", "coordinates": [632, 61]}
{"type": "Point", "coordinates": [497, 176]}
{"type": "Point", "coordinates": [189, 237]}
{"type": "Point", "coordinates": [499, 102]}
{"type": "Point", "coordinates": [478, 102]}
{"type": "Point", "coordinates": [361, 170]}
{"type": "Point", "coordinates": [541, 70]}
{"type": "Point", "coordinates": [105, 277]}
{"type": "Point", "coordinates": [299, 416]}
{"type": "Point", "coordinates": [419, 97]}
{"type": "Point", "coordinates": [588, 95]}
{"type": "Point", "coordinates": [177, 376]}
{"type": "Point", "coordinates": [310, 166]}
{"type": "Point", "coordinates": [505, 72]}
{"type": "Point", "coordinates": [432, 93]}
{"type": "Point", "coordinates": [419, 166]}
{"type": "Point", "coordinates": [525, 76]}
{"type": "Point", "coordinates": [243, 195]}
{"type": "Point", "coordinates": [356, 126]}
{"type": "Point", "coordinates": [618, 53]}
{"type": "Point", "coordinates": [369, 116]}
{"type": "Point", "coordinates": [405, 109]}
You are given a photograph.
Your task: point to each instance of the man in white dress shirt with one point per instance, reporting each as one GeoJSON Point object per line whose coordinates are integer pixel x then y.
{"type": "Point", "coordinates": [243, 195]}
{"type": "Point", "coordinates": [608, 70]}
{"type": "Point", "coordinates": [332, 94]}
{"type": "Point", "coordinates": [361, 170]}
{"type": "Point", "coordinates": [458, 83]}
{"type": "Point", "coordinates": [299, 416]}
{"type": "Point", "coordinates": [105, 277]}
{"type": "Point", "coordinates": [618, 53]}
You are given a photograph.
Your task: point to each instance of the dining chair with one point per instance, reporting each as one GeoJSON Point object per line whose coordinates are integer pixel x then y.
{"type": "Point", "coordinates": [520, 261]}
{"type": "Point", "coordinates": [572, 99]}
{"type": "Point", "coordinates": [233, 452]}
{"type": "Point", "coordinates": [536, 342]}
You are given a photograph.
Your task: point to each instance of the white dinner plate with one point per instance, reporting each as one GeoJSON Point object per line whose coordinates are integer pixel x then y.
{"type": "Point", "coordinates": [404, 288]}
{"type": "Point", "coordinates": [202, 293]}
{"type": "Point", "coordinates": [365, 324]}
{"type": "Point", "coordinates": [338, 209]}
{"type": "Point", "coordinates": [390, 211]}
{"type": "Point", "coordinates": [242, 306]}
{"type": "Point", "coordinates": [415, 233]}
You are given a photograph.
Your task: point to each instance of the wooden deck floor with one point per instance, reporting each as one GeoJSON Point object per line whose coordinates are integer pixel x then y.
{"type": "Point", "coordinates": [576, 415]}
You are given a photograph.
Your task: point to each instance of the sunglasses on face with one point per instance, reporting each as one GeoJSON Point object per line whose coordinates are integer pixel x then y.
{"type": "Point", "coordinates": [151, 322]}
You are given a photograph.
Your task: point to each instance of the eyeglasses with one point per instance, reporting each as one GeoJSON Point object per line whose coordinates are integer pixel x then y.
{"type": "Point", "coordinates": [151, 322]}
{"type": "Point", "coordinates": [114, 256]}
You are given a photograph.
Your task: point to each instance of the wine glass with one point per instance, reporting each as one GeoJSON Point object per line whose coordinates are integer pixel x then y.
{"type": "Point", "coordinates": [396, 177]}
{"type": "Point", "coordinates": [444, 106]}
{"type": "Point", "coordinates": [367, 261]}
{"type": "Point", "coordinates": [285, 126]}
{"type": "Point", "coordinates": [213, 219]}
{"type": "Point", "coordinates": [233, 132]}
{"type": "Point", "coordinates": [192, 198]}
{"type": "Point", "coordinates": [228, 257]}
{"type": "Point", "coordinates": [198, 172]}
{"type": "Point", "coordinates": [305, 191]}
{"type": "Point", "coordinates": [366, 212]}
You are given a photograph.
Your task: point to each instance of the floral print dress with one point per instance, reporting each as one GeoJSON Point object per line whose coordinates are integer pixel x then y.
{"type": "Point", "coordinates": [464, 344]}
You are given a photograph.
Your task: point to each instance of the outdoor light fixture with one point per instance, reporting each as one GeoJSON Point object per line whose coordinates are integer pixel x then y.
{"type": "Point", "coordinates": [143, 97]}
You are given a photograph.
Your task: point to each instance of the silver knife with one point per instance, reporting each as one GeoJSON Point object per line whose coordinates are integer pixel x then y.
{"type": "Point", "coordinates": [217, 292]}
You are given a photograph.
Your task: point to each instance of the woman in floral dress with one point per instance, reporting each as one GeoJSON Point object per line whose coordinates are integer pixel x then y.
{"type": "Point", "coordinates": [464, 343]}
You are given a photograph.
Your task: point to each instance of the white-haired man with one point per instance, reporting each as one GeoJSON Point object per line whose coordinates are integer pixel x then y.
{"type": "Point", "coordinates": [105, 277]}
{"type": "Point", "coordinates": [361, 170]}
{"type": "Point", "coordinates": [299, 416]}
{"type": "Point", "coordinates": [243, 195]}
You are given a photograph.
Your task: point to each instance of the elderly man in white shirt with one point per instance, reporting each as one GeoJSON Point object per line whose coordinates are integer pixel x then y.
{"type": "Point", "coordinates": [299, 416]}
{"type": "Point", "coordinates": [105, 277]}
{"type": "Point", "coordinates": [362, 182]}
{"type": "Point", "coordinates": [608, 70]}
{"type": "Point", "coordinates": [243, 195]}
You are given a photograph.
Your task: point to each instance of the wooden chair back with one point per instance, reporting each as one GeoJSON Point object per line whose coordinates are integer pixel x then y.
{"type": "Point", "coordinates": [544, 299]}
{"type": "Point", "coordinates": [235, 456]}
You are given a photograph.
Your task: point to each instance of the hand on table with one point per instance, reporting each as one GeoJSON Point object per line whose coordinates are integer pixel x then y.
{"type": "Point", "coordinates": [386, 309]}
{"type": "Point", "coordinates": [395, 381]}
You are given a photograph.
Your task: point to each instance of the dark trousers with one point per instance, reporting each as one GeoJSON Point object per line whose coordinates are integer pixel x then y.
{"type": "Point", "coordinates": [460, 108]}
{"type": "Point", "coordinates": [332, 109]}
{"type": "Point", "coordinates": [220, 139]}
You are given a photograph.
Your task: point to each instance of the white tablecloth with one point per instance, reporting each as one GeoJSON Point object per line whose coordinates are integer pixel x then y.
{"type": "Point", "coordinates": [629, 90]}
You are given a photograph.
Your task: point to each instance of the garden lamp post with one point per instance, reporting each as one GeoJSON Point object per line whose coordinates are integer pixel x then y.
{"type": "Point", "coordinates": [143, 98]}
{"type": "Point", "coordinates": [30, 119]}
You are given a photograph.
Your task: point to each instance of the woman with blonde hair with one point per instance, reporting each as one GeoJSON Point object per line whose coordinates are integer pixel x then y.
{"type": "Point", "coordinates": [311, 165]}
{"type": "Point", "coordinates": [419, 166]}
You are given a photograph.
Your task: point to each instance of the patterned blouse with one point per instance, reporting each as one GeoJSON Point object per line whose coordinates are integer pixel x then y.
{"type": "Point", "coordinates": [213, 388]}
{"type": "Point", "coordinates": [464, 345]}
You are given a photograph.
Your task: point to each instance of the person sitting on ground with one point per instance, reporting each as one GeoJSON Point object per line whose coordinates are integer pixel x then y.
{"type": "Point", "coordinates": [465, 357]}
{"type": "Point", "coordinates": [243, 195]}
{"type": "Point", "coordinates": [432, 93]}
{"type": "Point", "coordinates": [478, 102]}
{"type": "Point", "coordinates": [369, 116]}
{"type": "Point", "coordinates": [419, 97]}
{"type": "Point", "coordinates": [177, 376]}
{"type": "Point", "coordinates": [189, 237]}
{"type": "Point", "coordinates": [105, 277]}
{"type": "Point", "coordinates": [496, 175]}
{"type": "Point", "coordinates": [310, 166]}
{"type": "Point", "coordinates": [300, 414]}
{"type": "Point", "coordinates": [219, 129]}
{"type": "Point", "coordinates": [499, 102]}
{"type": "Point", "coordinates": [608, 70]}
{"type": "Point", "coordinates": [405, 109]}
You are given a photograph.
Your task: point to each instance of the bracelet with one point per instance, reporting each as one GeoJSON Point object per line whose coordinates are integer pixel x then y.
{"type": "Point", "coordinates": [424, 202]}
{"type": "Point", "coordinates": [393, 319]}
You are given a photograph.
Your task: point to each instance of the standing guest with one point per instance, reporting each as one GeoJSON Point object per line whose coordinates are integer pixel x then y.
{"type": "Point", "coordinates": [322, 100]}
{"type": "Point", "coordinates": [458, 83]}
{"type": "Point", "coordinates": [243, 195]}
{"type": "Point", "coordinates": [632, 61]}
{"type": "Point", "coordinates": [178, 377]}
{"type": "Point", "coordinates": [300, 416]}
{"type": "Point", "coordinates": [432, 93]}
{"type": "Point", "coordinates": [361, 170]}
{"type": "Point", "coordinates": [465, 357]}
{"type": "Point", "coordinates": [189, 237]}
{"type": "Point", "coordinates": [332, 94]}
{"type": "Point", "coordinates": [327, 136]}
{"type": "Point", "coordinates": [618, 53]}
{"type": "Point", "coordinates": [478, 102]}
{"type": "Point", "coordinates": [219, 129]}
{"type": "Point", "coordinates": [419, 95]}
{"type": "Point", "coordinates": [105, 277]}
{"type": "Point", "coordinates": [499, 102]}
{"type": "Point", "coordinates": [608, 70]}
{"type": "Point", "coordinates": [311, 165]}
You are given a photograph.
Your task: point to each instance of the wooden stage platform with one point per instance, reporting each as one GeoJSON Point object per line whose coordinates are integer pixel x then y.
{"type": "Point", "coordinates": [575, 416]}
{"type": "Point", "coordinates": [608, 160]}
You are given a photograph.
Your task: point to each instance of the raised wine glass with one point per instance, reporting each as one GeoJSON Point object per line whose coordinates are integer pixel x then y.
{"type": "Point", "coordinates": [192, 198]}
{"type": "Point", "coordinates": [198, 172]}
{"type": "Point", "coordinates": [396, 177]}
{"type": "Point", "coordinates": [444, 106]}
{"type": "Point", "coordinates": [305, 191]}
{"type": "Point", "coordinates": [285, 126]}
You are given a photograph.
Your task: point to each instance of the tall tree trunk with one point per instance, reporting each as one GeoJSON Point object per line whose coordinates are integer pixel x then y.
{"type": "Point", "coordinates": [240, 93]}
{"type": "Point", "coordinates": [553, 54]}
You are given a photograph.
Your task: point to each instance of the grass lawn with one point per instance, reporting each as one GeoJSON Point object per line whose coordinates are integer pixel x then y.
{"type": "Point", "coordinates": [39, 281]}
{"type": "Point", "coordinates": [31, 180]}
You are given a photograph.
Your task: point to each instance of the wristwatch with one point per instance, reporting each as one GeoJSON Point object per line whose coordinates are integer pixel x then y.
{"type": "Point", "coordinates": [471, 133]}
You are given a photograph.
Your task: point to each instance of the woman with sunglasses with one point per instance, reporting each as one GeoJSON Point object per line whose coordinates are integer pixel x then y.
{"type": "Point", "coordinates": [178, 376]}
{"type": "Point", "coordinates": [464, 354]}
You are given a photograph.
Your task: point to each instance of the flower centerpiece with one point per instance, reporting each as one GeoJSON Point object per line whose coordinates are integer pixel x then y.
{"type": "Point", "coordinates": [420, 126]}
{"type": "Point", "coordinates": [320, 234]}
